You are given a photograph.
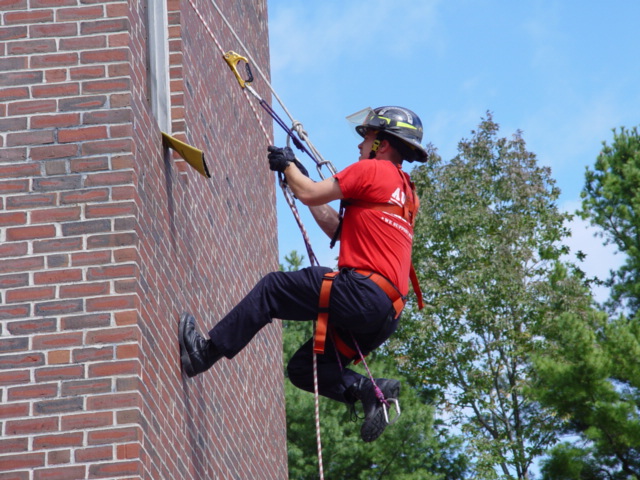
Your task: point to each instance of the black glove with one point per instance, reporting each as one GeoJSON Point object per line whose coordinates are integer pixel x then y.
{"type": "Point", "coordinates": [280, 158]}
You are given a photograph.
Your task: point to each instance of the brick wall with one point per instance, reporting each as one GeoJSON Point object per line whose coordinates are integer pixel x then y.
{"type": "Point", "coordinates": [106, 239]}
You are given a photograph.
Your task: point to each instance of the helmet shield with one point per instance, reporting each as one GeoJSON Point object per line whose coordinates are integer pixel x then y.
{"type": "Point", "coordinates": [398, 122]}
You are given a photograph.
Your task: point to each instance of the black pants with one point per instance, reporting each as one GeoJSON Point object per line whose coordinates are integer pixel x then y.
{"type": "Point", "coordinates": [358, 308]}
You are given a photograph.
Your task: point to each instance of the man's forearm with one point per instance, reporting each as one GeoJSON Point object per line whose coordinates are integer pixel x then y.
{"type": "Point", "coordinates": [327, 218]}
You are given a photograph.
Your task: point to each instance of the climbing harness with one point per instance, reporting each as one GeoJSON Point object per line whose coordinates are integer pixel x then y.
{"type": "Point", "coordinates": [300, 139]}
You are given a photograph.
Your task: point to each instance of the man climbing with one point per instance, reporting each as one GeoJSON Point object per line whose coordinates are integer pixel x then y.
{"type": "Point", "coordinates": [360, 304]}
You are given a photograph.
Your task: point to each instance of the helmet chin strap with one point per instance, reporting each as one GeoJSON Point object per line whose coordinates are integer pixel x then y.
{"type": "Point", "coordinates": [375, 146]}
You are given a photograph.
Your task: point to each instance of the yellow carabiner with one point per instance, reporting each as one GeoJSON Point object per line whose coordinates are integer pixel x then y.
{"type": "Point", "coordinates": [232, 58]}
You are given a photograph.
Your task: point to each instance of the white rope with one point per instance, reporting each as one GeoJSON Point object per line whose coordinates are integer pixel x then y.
{"type": "Point", "coordinates": [297, 126]}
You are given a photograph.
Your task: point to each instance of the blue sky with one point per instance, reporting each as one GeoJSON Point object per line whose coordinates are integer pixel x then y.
{"type": "Point", "coordinates": [564, 72]}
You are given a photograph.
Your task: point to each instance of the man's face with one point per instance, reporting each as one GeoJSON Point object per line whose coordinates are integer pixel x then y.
{"type": "Point", "coordinates": [366, 144]}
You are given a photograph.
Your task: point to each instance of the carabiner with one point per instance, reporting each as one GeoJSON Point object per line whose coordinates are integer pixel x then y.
{"type": "Point", "coordinates": [386, 408]}
{"type": "Point", "coordinates": [232, 58]}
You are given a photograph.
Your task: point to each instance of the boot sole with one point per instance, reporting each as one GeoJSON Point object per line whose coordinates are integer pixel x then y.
{"type": "Point", "coordinates": [184, 355]}
{"type": "Point", "coordinates": [375, 426]}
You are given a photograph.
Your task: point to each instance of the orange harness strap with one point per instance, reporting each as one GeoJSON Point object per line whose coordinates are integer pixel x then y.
{"type": "Point", "coordinates": [322, 323]}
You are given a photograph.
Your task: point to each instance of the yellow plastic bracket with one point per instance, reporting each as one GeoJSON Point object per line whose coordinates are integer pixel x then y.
{"type": "Point", "coordinates": [232, 58]}
{"type": "Point", "coordinates": [191, 155]}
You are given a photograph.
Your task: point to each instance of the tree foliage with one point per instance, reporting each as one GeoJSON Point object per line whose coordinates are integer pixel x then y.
{"type": "Point", "coordinates": [611, 200]}
{"type": "Point", "coordinates": [590, 371]}
{"type": "Point", "coordinates": [487, 247]}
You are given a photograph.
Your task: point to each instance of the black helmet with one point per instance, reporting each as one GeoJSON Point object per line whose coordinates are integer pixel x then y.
{"type": "Point", "coordinates": [397, 122]}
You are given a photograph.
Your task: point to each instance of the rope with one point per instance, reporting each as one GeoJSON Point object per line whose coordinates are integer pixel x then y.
{"type": "Point", "coordinates": [285, 189]}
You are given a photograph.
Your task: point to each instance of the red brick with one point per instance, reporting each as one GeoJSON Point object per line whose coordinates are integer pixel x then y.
{"type": "Point", "coordinates": [30, 107]}
{"type": "Point", "coordinates": [53, 60]}
{"type": "Point", "coordinates": [84, 321]}
{"type": "Point", "coordinates": [79, 13]}
{"type": "Point", "coordinates": [31, 201]}
{"type": "Point", "coordinates": [104, 56]}
{"type": "Point", "coordinates": [15, 444]}
{"type": "Point", "coordinates": [128, 451]}
{"type": "Point", "coordinates": [115, 435]}
{"type": "Point", "coordinates": [106, 86]}
{"type": "Point", "coordinates": [66, 372]}
{"type": "Point", "coordinates": [30, 294]}
{"type": "Point", "coordinates": [82, 103]}
{"type": "Point", "coordinates": [60, 214]}
{"type": "Point", "coordinates": [57, 441]}
{"type": "Point", "coordinates": [103, 117]}
{"type": "Point", "coordinates": [14, 410]}
{"type": "Point", "coordinates": [57, 182]}
{"type": "Point", "coordinates": [110, 272]}
{"type": "Point", "coordinates": [104, 26]}
{"type": "Point", "coordinates": [9, 312]}
{"type": "Point", "coordinates": [17, 461]}
{"type": "Point", "coordinates": [107, 146]}
{"type": "Point", "coordinates": [28, 17]}
{"type": "Point", "coordinates": [90, 164]}
{"type": "Point", "coordinates": [94, 354]}
{"type": "Point", "coordinates": [82, 134]}
{"type": "Point", "coordinates": [54, 30]}
{"type": "Point", "coordinates": [14, 32]}
{"type": "Point", "coordinates": [83, 43]}
{"type": "Point", "coordinates": [113, 335]}
{"type": "Point", "coordinates": [59, 457]}
{"type": "Point", "coordinates": [114, 401]}
{"type": "Point", "coordinates": [57, 340]}
{"type": "Point", "coordinates": [12, 124]}
{"type": "Point", "coordinates": [84, 387]}
{"type": "Point", "coordinates": [14, 186]}
{"type": "Point", "coordinates": [84, 290]}
{"type": "Point", "coordinates": [58, 276]}
{"type": "Point", "coordinates": [19, 170]}
{"type": "Point", "coordinates": [14, 377]}
{"type": "Point", "coordinates": [27, 47]}
{"type": "Point", "coordinates": [55, 90]}
{"type": "Point", "coordinates": [89, 258]}
{"type": "Point", "coordinates": [94, 454]}
{"type": "Point", "coordinates": [12, 218]}
{"type": "Point", "coordinates": [29, 233]}
{"type": "Point", "coordinates": [87, 72]}
{"type": "Point", "coordinates": [57, 245]}
{"type": "Point", "coordinates": [85, 421]}
{"type": "Point", "coordinates": [14, 63]}
{"type": "Point", "coordinates": [15, 93]}
{"type": "Point", "coordinates": [83, 196]}
{"type": "Point", "coordinates": [31, 426]}
{"type": "Point", "coordinates": [60, 473]}
{"type": "Point", "coordinates": [13, 79]}
{"type": "Point", "coordinates": [110, 210]}
{"type": "Point", "coordinates": [54, 151]}
{"type": "Point", "coordinates": [28, 327]}
{"type": "Point", "coordinates": [112, 240]}
{"type": "Point", "coordinates": [111, 470]}
{"type": "Point", "coordinates": [13, 249]}
{"type": "Point", "coordinates": [58, 121]}
{"type": "Point", "coordinates": [118, 367]}
{"type": "Point", "coordinates": [36, 137]}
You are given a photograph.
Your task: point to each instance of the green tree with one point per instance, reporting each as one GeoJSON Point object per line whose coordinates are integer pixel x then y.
{"type": "Point", "coordinates": [487, 243]}
{"type": "Point", "coordinates": [611, 200]}
{"type": "Point", "coordinates": [590, 373]}
{"type": "Point", "coordinates": [409, 450]}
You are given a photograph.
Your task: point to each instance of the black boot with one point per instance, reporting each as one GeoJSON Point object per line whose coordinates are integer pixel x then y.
{"type": "Point", "coordinates": [374, 417]}
{"type": "Point", "coordinates": [196, 353]}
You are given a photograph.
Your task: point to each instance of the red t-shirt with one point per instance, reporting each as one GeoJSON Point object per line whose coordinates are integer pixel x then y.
{"type": "Point", "coordinates": [372, 239]}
